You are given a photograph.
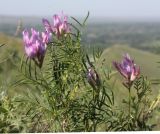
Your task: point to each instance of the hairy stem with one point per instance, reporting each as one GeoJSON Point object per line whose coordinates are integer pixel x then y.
{"type": "Point", "coordinates": [94, 120]}
{"type": "Point", "coordinates": [129, 106]}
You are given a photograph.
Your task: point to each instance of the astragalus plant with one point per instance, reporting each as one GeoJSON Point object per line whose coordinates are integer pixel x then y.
{"type": "Point", "coordinates": [67, 92]}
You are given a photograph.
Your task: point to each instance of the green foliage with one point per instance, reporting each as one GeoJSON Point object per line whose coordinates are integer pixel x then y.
{"type": "Point", "coordinates": [10, 121]}
{"type": "Point", "coordinates": [65, 101]}
{"type": "Point", "coordinates": [61, 97]}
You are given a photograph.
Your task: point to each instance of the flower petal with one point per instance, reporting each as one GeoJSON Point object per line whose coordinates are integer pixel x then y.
{"type": "Point", "coordinates": [26, 37]}
{"type": "Point", "coordinates": [47, 25]}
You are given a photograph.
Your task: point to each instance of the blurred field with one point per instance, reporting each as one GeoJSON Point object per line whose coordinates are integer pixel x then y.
{"type": "Point", "coordinates": [10, 55]}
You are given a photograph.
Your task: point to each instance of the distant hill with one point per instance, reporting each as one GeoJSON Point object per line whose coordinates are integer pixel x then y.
{"type": "Point", "coordinates": [11, 44]}
{"type": "Point", "coordinates": [146, 60]}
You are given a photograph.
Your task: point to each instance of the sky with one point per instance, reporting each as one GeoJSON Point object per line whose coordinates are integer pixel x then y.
{"type": "Point", "coordinates": [97, 8]}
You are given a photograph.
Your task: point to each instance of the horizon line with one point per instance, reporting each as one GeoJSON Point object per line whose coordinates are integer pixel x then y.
{"type": "Point", "coordinates": [93, 18]}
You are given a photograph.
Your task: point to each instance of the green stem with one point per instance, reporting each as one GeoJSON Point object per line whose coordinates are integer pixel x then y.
{"type": "Point", "coordinates": [94, 126]}
{"type": "Point", "coordinates": [129, 108]}
{"type": "Point", "coordinates": [94, 120]}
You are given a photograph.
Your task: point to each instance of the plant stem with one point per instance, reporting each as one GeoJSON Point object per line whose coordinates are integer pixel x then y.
{"type": "Point", "coordinates": [94, 126]}
{"type": "Point", "coordinates": [94, 110]}
{"type": "Point", "coordinates": [129, 108]}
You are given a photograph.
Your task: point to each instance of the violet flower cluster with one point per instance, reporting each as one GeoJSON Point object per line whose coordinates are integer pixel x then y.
{"type": "Point", "coordinates": [35, 44]}
{"type": "Point", "coordinates": [128, 69]}
{"type": "Point", "coordinates": [60, 25]}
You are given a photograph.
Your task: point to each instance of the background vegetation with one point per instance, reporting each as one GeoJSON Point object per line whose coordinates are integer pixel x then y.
{"type": "Point", "coordinates": [140, 39]}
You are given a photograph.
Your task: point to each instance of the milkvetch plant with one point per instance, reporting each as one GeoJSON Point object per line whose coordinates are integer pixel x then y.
{"type": "Point", "coordinates": [66, 84]}
{"type": "Point", "coordinates": [67, 92]}
{"type": "Point", "coordinates": [130, 72]}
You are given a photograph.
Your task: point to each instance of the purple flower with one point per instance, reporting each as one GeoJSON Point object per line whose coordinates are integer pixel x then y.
{"type": "Point", "coordinates": [30, 49]}
{"type": "Point", "coordinates": [127, 69]}
{"type": "Point", "coordinates": [49, 28]}
{"type": "Point", "coordinates": [35, 45]}
{"type": "Point", "coordinates": [46, 37]}
{"type": "Point", "coordinates": [93, 77]}
{"type": "Point", "coordinates": [60, 25]}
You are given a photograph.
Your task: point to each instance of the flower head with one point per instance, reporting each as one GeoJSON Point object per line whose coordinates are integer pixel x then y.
{"type": "Point", "coordinates": [127, 69]}
{"type": "Point", "coordinates": [60, 25]}
{"type": "Point", "coordinates": [35, 45]}
{"type": "Point", "coordinates": [93, 77]}
{"type": "Point", "coordinates": [30, 49]}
